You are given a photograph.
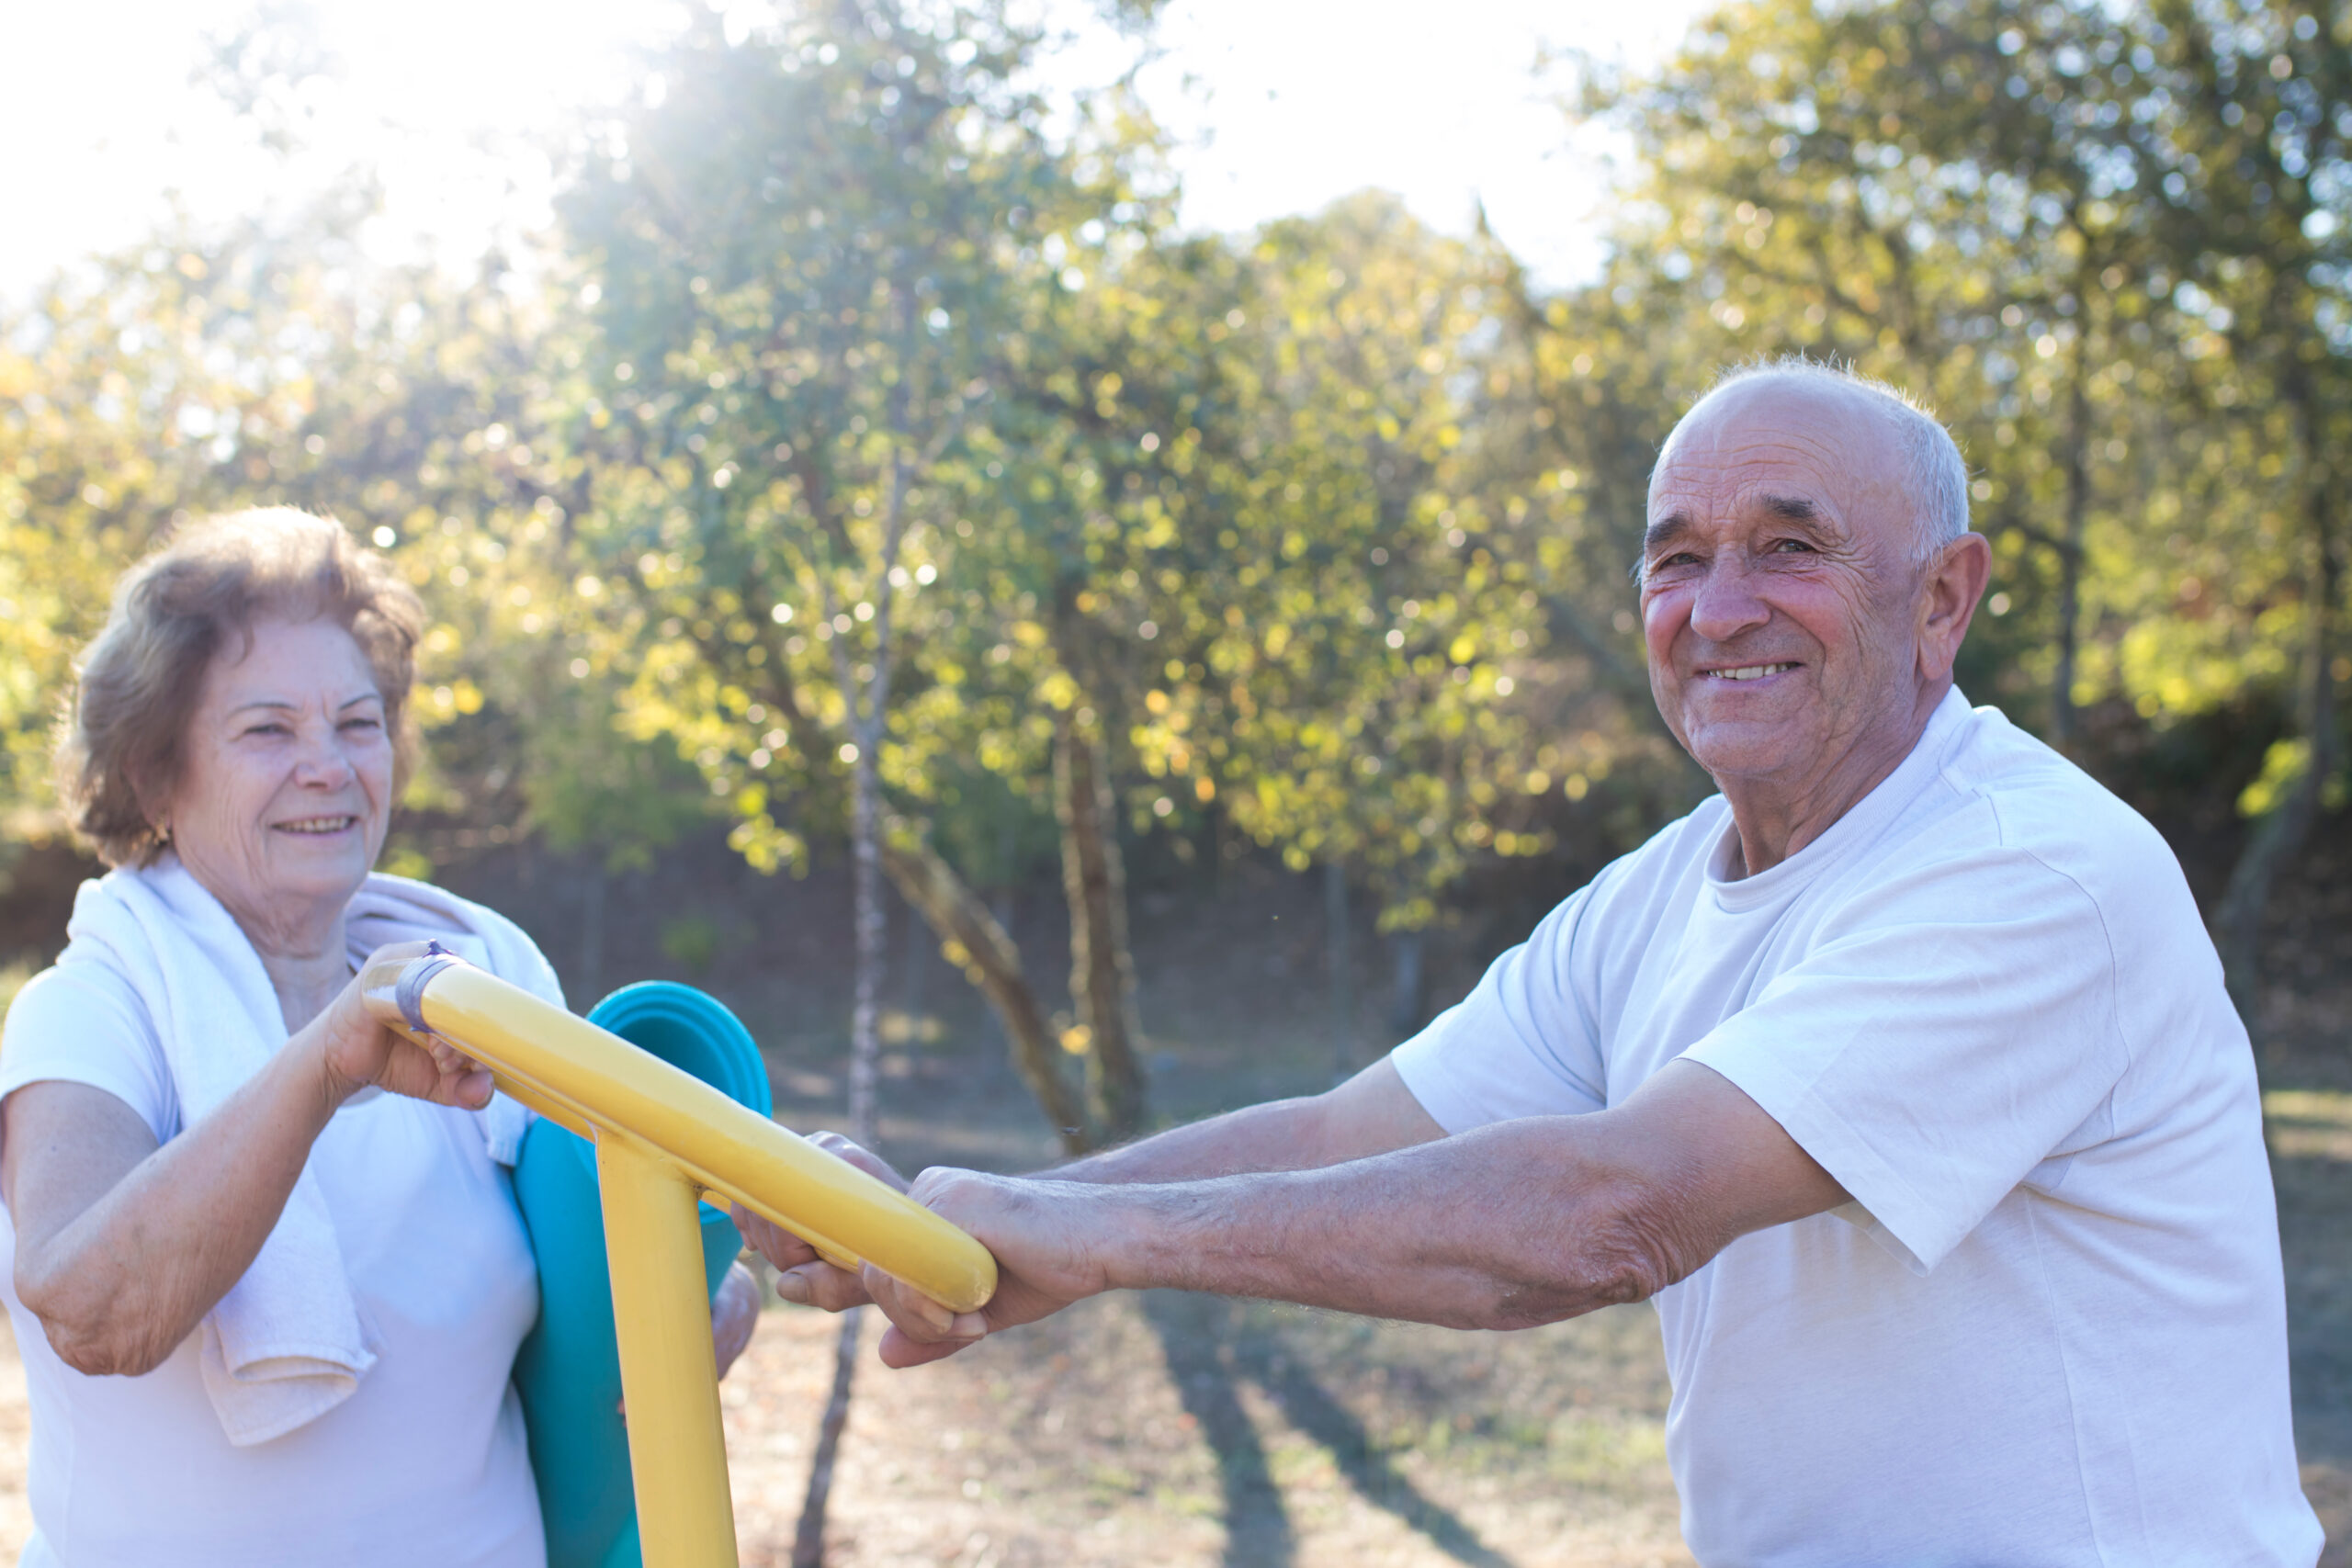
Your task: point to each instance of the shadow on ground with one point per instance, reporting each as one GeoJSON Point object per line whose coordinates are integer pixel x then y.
{"type": "Point", "coordinates": [1212, 1347]}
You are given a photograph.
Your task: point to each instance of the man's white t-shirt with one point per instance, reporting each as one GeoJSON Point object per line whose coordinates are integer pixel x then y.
{"type": "Point", "coordinates": [425, 1463]}
{"type": "Point", "coordinates": [2050, 1327]}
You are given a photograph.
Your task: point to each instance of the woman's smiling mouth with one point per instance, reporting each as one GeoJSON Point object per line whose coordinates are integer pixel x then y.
{"type": "Point", "coordinates": [318, 826]}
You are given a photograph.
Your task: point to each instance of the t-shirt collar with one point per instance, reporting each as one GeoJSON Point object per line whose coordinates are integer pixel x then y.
{"type": "Point", "coordinates": [1859, 824]}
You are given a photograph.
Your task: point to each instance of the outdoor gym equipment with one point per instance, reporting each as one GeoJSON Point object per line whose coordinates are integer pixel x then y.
{"type": "Point", "coordinates": [568, 1370]}
{"type": "Point", "coordinates": [663, 1138]}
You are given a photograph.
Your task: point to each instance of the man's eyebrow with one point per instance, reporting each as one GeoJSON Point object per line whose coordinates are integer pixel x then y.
{"type": "Point", "coordinates": [1790, 508]}
{"type": "Point", "coordinates": [1666, 530]}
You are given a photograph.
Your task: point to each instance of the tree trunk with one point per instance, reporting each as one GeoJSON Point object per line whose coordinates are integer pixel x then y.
{"type": "Point", "coordinates": [2076, 459]}
{"type": "Point", "coordinates": [1408, 998]}
{"type": "Point", "coordinates": [976, 942]}
{"type": "Point", "coordinates": [1338, 964]}
{"type": "Point", "coordinates": [1101, 983]}
{"type": "Point", "coordinates": [592, 936]}
{"type": "Point", "coordinates": [2279, 835]}
{"type": "Point", "coordinates": [865, 1078]}
{"type": "Point", "coordinates": [809, 1540]}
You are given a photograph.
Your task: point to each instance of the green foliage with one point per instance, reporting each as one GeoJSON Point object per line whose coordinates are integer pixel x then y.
{"type": "Point", "coordinates": [862, 405]}
{"type": "Point", "coordinates": [692, 942]}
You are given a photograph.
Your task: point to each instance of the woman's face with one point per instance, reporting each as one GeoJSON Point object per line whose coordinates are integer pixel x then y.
{"type": "Point", "coordinates": [287, 788]}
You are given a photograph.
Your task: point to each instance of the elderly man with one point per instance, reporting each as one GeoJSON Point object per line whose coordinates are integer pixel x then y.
{"type": "Point", "coordinates": [1899, 1075]}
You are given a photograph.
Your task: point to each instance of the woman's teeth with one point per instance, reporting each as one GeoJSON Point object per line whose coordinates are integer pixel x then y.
{"type": "Point", "coordinates": [1749, 672]}
{"type": "Point", "coordinates": [318, 825]}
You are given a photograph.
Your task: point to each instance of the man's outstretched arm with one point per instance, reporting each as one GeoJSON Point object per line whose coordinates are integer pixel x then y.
{"type": "Point", "coordinates": [1370, 1114]}
{"type": "Point", "coordinates": [1513, 1224]}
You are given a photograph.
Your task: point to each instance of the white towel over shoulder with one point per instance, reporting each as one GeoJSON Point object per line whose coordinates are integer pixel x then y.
{"type": "Point", "coordinates": [287, 1343]}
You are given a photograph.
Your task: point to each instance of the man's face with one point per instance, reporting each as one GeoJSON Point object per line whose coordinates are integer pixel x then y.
{"type": "Point", "coordinates": [1780, 593]}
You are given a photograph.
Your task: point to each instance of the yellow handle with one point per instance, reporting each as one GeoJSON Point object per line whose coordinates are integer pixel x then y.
{"type": "Point", "coordinates": [602, 1087]}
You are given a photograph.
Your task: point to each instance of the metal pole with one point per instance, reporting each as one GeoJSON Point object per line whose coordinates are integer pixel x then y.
{"type": "Point", "coordinates": [677, 1447]}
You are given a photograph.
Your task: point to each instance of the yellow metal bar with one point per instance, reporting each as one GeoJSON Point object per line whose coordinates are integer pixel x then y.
{"type": "Point", "coordinates": [569, 1068]}
{"type": "Point", "coordinates": [561, 1115]}
{"type": "Point", "coordinates": [677, 1448]}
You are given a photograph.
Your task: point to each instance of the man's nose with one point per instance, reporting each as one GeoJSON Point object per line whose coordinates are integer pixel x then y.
{"type": "Point", "coordinates": [1725, 603]}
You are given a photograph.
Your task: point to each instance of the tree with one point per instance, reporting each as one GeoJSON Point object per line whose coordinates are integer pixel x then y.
{"type": "Point", "coordinates": [2102, 243]}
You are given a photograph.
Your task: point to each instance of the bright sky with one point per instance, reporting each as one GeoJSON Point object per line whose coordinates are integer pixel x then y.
{"type": "Point", "coordinates": [1281, 105]}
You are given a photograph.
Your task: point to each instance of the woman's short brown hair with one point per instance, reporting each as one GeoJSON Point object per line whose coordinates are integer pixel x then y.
{"type": "Point", "coordinates": [122, 741]}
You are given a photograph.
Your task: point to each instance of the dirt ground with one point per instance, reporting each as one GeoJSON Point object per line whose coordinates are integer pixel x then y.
{"type": "Point", "coordinates": [1177, 1429]}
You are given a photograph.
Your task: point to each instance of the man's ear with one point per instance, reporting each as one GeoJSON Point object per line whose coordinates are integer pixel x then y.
{"type": "Point", "coordinates": [1949, 592]}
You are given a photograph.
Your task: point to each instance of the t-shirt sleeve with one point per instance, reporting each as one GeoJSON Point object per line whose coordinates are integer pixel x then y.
{"type": "Point", "coordinates": [80, 1023]}
{"type": "Point", "coordinates": [1941, 1039]}
{"type": "Point", "coordinates": [1525, 1042]}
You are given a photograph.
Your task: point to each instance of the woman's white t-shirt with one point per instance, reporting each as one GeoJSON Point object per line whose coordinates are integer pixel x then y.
{"type": "Point", "coordinates": [2051, 1329]}
{"type": "Point", "coordinates": [423, 1464]}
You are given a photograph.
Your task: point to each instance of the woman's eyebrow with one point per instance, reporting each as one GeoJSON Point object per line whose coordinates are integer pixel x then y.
{"type": "Point", "coordinates": [286, 704]}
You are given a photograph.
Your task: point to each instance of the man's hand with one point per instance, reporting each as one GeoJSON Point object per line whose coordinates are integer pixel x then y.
{"type": "Point", "coordinates": [1052, 1242]}
{"type": "Point", "coordinates": [805, 1278]}
{"type": "Point", "coordinates": [1043, 1234]}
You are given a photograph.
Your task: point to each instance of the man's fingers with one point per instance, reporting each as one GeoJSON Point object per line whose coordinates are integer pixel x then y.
{"type": "Point", "coordinates": [819, 1284]}
{"type": "Point", "coordinates": [898, 1352]}
{"type": "Point", "coordinates": [771, 1240]}
{"type": "Point", "coordinates": [864, 1158]}
{"type": "Point", "coordinates": [918, 1318]}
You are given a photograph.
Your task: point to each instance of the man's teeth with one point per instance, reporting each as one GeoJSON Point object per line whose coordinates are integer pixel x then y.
{"type": "Point", "coordinates": [1750, 671]}
{"type": "Point", "coordinates": [319, 825]}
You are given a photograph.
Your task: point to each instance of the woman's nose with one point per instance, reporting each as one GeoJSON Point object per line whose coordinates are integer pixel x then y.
{"type": "Point", "coordinates": [323, 764]}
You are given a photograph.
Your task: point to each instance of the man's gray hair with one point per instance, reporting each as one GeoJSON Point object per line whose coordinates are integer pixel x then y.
{"type": "Point", "coordinates": [1939, 477]}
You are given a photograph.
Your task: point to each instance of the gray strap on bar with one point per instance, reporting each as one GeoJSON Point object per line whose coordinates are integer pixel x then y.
{"type": "Point", "coordinates": [410, 992]}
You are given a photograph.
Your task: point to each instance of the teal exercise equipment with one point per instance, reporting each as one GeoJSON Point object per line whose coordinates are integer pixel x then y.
{"type": "Point", "coordinates": [568, 1371]}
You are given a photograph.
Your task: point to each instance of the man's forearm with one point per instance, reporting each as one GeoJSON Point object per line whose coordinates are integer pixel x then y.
{"type": "Point", "coordinates": [1370, 1114]}
{"type": "Point", "coordinates": [1279, 1136]}
{"type": "Point", "coordinates": [1504, 1226]}
{"type": "Point", "coordinates": [1516, 1225]}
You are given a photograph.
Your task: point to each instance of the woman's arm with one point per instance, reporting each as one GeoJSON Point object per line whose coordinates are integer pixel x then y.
{"type": "Point", "coordinates": [122, 1247]}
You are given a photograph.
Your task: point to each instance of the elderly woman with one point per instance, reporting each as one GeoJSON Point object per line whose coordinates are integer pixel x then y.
{"type": "Point", "coordinates": [267, 1311]}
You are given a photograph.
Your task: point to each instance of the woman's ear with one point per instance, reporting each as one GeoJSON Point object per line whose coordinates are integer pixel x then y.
{"type": "Point", "coordinates": [155, 804]}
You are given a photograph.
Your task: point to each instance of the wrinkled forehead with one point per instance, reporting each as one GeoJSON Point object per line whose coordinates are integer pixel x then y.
{"type": "Point", "coordinates": [273, 658]}
{"type": "Point", "coordinates": [1767, 438]}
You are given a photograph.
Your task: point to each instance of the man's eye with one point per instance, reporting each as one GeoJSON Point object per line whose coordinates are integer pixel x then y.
{"type": "Point", "coordinates": [363, 724]}
{"type": "Point", "coordinates": [1793, 546]}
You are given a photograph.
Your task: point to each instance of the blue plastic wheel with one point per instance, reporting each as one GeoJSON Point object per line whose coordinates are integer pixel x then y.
{"type": "Point", "coordinates": [568, 1371]}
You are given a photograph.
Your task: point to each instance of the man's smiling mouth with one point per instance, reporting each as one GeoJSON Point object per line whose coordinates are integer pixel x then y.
{"type": "Point", "coordinates": [318, 825]}
{"type": "Point", "coordinates": [1745, 672]}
